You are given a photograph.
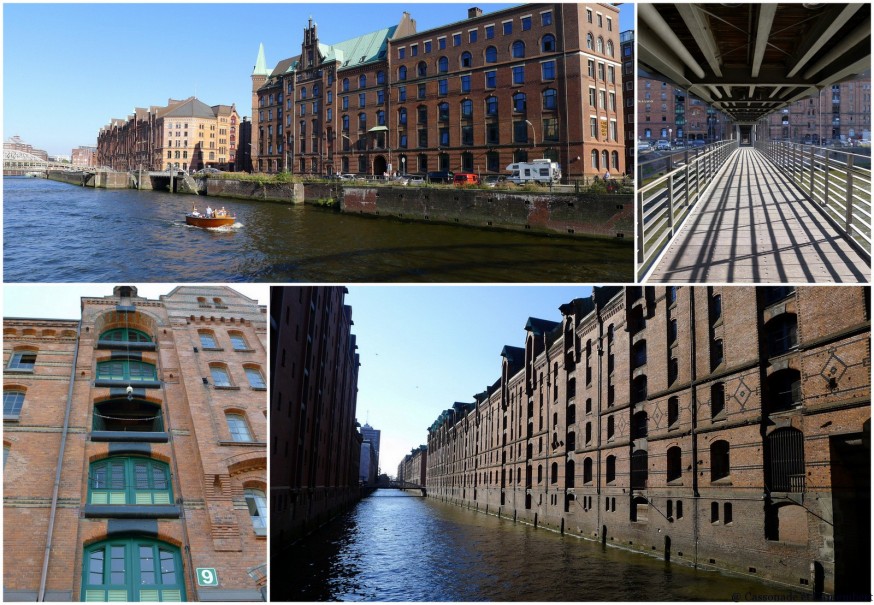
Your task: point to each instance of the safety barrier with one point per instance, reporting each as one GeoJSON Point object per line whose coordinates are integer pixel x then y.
{"type": "Point", "coordinates": [837, 180]}
{"type": "Point", "coordinates": [663, 203]}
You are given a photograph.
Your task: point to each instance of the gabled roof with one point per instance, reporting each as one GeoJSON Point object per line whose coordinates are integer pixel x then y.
{"type": "Point", "coordinates": [539, 326]}
{"type": "Point", "coordinates": [515, 357]}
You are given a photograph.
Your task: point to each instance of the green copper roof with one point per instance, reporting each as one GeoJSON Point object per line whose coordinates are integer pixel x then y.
{"type": "Point", "coordinates": [357, 51]}
{"type": "Point", "coordinates": [260, 63]}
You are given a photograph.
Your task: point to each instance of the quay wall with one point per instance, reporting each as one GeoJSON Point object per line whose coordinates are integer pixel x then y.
{"type": "Point", "coordinates": [100, 180]}
{"type": "Point", "coordinates": [567, 213]}
{"type": "Point", "coordinates": [269, 192]}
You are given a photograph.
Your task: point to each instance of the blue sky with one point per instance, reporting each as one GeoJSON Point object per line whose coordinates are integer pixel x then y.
{"type": "Point", "coordinates": [68, 69]}
{"type": "Point", "coordinates": [422, 348]}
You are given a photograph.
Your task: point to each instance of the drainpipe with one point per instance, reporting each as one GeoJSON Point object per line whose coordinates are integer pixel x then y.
{"type": "Point", "coordinates": [694, 379]}
{"type": "Point", "coordinates": [600, 345]}
{"type": "Point", "coordinates": [57, 486]}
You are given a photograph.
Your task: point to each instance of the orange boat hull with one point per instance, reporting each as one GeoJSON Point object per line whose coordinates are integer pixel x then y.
{"type": "Point", "coordinates": [210, 223]}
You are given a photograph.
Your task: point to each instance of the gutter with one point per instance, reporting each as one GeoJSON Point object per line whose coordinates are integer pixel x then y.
{"type": "Point", "coordinates": [57, 485]}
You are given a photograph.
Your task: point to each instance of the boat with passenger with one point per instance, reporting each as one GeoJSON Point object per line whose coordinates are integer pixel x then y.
{"type": "Point", "coordinates": [210, 219]}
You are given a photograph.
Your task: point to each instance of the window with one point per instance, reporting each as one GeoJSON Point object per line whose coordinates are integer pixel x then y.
{"type": "Point", "coordinates": [238, 428]}
{"type": "Point", "coordinates": [491, 106]}
{"type": "Point", "coordinates": [402, 53]}
{"type": "Point", "coordinates": [345, 84]}
{"type": "Point", "coordinates": [550, 99]}
{"type": "Point", "coordinates": [774, 294]}
{"type": "Point", "coordinates": [442, 65]}
{"type": "Point", "coordinates": [456, 39]}
{"type": "Point", "coordinates": [719, 460]}
{"type": "Point", "coordinates": [546, 18]}
{"type": "Point", "coordinates": [547, 43]}
{"type": "Point", "coordinates": [785, 454]}
{"type": "Point", "coordinates": [256, 380]}
{"type": "Point", "coordinates": [132, 569]}
{"type": "Point", "coordinates": [472, 36]}
{"type": "Point", "coordinates": [639, 469]}
{"type": "Point", "coordinates": [22, 361]}
{"type": "Point", "coordinates": [638, 354]}
{"type": "Point", "coordinates": [126, 369]}
{"type": "Point", "coordinates": [553, 476]}
{"type": "Point", "coordinates": [520, 104]}
{"type": "Point", "coordinates": [569, 470]}
{"type": "Point", "coordinates": [610, 427]}
{"type": "Point", "coordinates": [128, 416]}
{"type": "Point", "coordinates": [519, 74]}
{"type": "Point", "coordinates": [507, 28]}
{"type": "Point", "coordinates": [466, 59]}
{"type": "Point", "coordinates": [716, 354]}
{"type": "Point", "coordinates": [611, 469]}
{"type": "Point", "coordinates": [402, 73]}
{"type": "Point", "coordinates": [587, 470]}
{"type": "Point", "coordinates": [491, 54]}
{"type": "Point", "coordinates": [129, 480]}
{"type": "Point", "coordinates": [639, 425]}
{"type": "Point", "coordinates": [13, 400]}
{"type": "Point", "coordinates": [783, 390]}
{"type": "Point", "coordinates": [465, 84]}
{"type": "Point", "coordinates": [717, 399]}
{"type": "Point", "coordinates": [716, 308]}
{"type": "Point", "coordinates": [207, 340]}
{"type": "Point", "coordinates": [257, 505]}
{"type": "Point", "coordinates": [518, 49]}
{"type": "Point", "coordinates": [427, 48]}
{"type": "Point", "coordinates": [675, 464]}
{"type": "Point", "coordinates": [220, 376]}
{"type": "Point", "coordinates": [125, 335]}
{"type": "Point", "coordinates": [781, 334]}
{"type": "Point", "coordinates": [547, 70]}
{"type": "Point", "coordinates": [673, 411]}
{"type": "Point", "coordinates": [467, 109]}
{"type": "Point", "coordinates": [590, 41]}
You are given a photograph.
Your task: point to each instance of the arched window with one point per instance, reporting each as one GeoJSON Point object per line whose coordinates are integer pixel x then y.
{"type": "Point", "coordinates": [639, 425]}
{"type": "Point", "coordinates": [587, 470]}
{"type": "Point", "coordinates": [600, 48]}
{"type": "Point", "coordinates": [303, 92]}
{"type": "Point", "coordinates": [345, 84]}
{"type": "Point", "coordinates": [553, 476]}
{"type": "Point", "coordinates": [362, 81]}
{"type": "Point", "coordinates": [590, 41]}
{"type": "Point", "coordinates": [22, 360]}
{"type": "Point", "coordinates": [520, 102]}
{"type": "Point", "coordinates": [380, 77]}
{"type": "Point", "coordinates": [128, 416]}
{"type": "Point", "coordinates": [550, 99]}
{"type": "Point", "coordinates": [569, 474]}
{"type": "Point", "coordinates": [362, 121]}
{"type": "Point", "coordinates": [220, 375]}
{"type": "Point", "coordinates": [316, 90]}
{"type": "Point", "coordinates": [13, 401]}
{"type": "Point", "coordinates": [238, 341]}
{"type": "Point", "coordinates": [609, 48]}
{"type": "Point", "coordinates": [126, 369]}
{"type": "Point", "coordinates": [132, 569]}
{"type": "Point", "coordinates": [207, 339]}
{"type": "Point", "coordinates": [491, 106]}
{"type": "Point", "coordinates": [784, 390]}
{"type": "Point", "coordinates": [256, 379]}
{"type": "Point", "coordinates": [610, 471]}
{"type": "Point", "coordinates": [604, 159]}
{"type": "Point", "coordinates": [467, 109]}
{"type": "Point", "coordinates": [422, 69]}
{"type": "Point", "coordinates": [518, 49]}
{"type": "Point", "coordinates": [547, 43]}
{"type": "Point", "coordinates": [491, 54]}
{"type": "Point", "coordinates": [129, 480]}
{"type": "Point", "coordinates": [675, 463]}
{"type": "Point", "coordinates": [781, 334]}
{"type": "Point", "coordinates": [443, 112]}
{"type": "Point", "coordinates": [238, 427]}
{"type": "Point", "coordinates": [442, 65]}
{"type": "Point", "coordinates": [720, 466]}
{"type": "Point", "coordinates": [786, 456]}
{"type": "Point", "coordinates": [614, 160]}
{"type": "Point", "coordinates": [595, 157]}
{"type": "Point", "coordinates": [466, 59]}
{"type": "Point", "coordinates": [125, 335]}
{"type": "Point", "coordinates": [639, 469]}
{"type": "Point", "coordinates": [402, 72]}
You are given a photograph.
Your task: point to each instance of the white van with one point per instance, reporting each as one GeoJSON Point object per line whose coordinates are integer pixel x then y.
{"type": "Point", "coordinates": [538, 171]}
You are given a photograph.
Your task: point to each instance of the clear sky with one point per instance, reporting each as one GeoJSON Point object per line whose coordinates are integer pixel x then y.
{"type": "Point", "coordinates": [422, 348]}
{"type": "Point", "coordinates": [68, 69]}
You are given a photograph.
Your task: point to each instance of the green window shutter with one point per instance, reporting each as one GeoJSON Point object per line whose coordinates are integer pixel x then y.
{"type": "Point", "coordinates": [117, 498]}
{"type": "Point", "coordinates": [117, 595]}
{"type": "Point", "coordinates": [161, 497]}
{"type": "Point", "coordinates": [143, 498]}
{"type": "Point", "coordinates": [171, 595]}
{"type": "Point", "coordinates": [99, 498]}
{"type": "Point", "coordinates": [95, 595]}
{"type": "Point", "coordinates": [149, 595]}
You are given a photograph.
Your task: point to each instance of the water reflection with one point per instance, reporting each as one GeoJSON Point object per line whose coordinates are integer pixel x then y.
{"type": "Point", "coordinates": [398, 547]}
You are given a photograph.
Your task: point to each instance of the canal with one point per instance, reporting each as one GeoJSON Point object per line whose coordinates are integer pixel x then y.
{"type": "Point", "coordinates": [394, 546]}
{"type": "Point", "coordinates": [55, 232]}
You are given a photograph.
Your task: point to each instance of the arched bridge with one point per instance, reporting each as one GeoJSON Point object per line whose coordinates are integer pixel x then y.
{"type": "Point", "coordinates": [407, 486]}
{"type": "Point", "coordinates": [17, 162]}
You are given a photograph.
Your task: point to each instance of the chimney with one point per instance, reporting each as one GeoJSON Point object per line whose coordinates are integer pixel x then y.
{"type": "Point", "coordinates": [474, 12]}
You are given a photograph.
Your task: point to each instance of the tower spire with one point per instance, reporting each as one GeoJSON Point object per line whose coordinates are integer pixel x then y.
{"type": "Point", "coordinates": [260, 63]}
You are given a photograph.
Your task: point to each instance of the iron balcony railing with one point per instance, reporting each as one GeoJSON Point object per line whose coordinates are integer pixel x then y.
{"type": "Point", "coordinates": [837, 180]}
{"type": "Point", "coordinates": [668, 188]}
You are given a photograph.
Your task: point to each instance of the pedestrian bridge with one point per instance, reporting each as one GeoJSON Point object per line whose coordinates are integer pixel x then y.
{"type": "Point", "coordinates": [777, 212]}
{"type": "Point", "coordinates": [17, 162]}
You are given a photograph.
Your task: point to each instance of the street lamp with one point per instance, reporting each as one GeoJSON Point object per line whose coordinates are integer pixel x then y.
{"type": "Point", "coordinates": [403, 165]}
{"type": "Point", "coordinates": [533, 132]}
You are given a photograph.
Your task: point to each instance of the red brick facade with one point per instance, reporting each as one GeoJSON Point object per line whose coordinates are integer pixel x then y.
{"type": "Point", "coordinates": [522, 83]}
{"type": "Point", "coordinates": [314, 445]}
{"type": "Point", "coordinates": [723, 427]}
{"type": "Point", "coordinates": [75, 406]}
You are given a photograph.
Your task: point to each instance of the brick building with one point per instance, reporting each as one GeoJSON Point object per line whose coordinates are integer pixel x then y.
{"type": "Point", "coordinates": [669, 113]}
{"type": "Point", "coordinates": [475, 95]}
{"type": "Point", "coordinates": [186, 134]}
{"type": "Point", "coordinates": [840, 113]}
{"type": "Point", "coordinates": [314, 445]}
{"type": "Point", "coordinates": [723, 427]}
{"type": "Point", "coordinates": [626, 41]}
{"type": "Point", "coordinates": [84, 157]}
{"type": "Point", "coordinates": [413, 468]}
{"type": "Point", "coordinates": [132, 436]}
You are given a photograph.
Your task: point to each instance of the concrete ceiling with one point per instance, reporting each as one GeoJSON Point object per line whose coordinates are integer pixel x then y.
{"type": "Point", "coordinates": [750, 60]}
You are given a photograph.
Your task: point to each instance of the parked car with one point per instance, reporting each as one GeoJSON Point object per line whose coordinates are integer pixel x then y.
{"type": "Point", "coordinates": [440, 177]}
{"type": "Point", "coordinates": [644, 146]}
{"type": "Point", "coordinates": [465, 178]}
{"type": "Point", "coordinates": [698, 143]}
{"type": "Point", "coordinates": [663, 145]}
{"type": "Point", "coordinates": [416, 179]}
{"type": "Point", "coordinates": [347, 177]}
{"type": "Point", "coordinates": [493, 180]}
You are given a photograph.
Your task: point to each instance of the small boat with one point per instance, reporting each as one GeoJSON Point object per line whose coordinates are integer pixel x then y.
{"type": "Point", "coordinates": [218, 218]}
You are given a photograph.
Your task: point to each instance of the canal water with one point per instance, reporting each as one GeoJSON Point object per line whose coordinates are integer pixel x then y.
{"type": "Point", "coordinates": [394, 546]}
{"type": "Point", "coordinates": [55, 232]}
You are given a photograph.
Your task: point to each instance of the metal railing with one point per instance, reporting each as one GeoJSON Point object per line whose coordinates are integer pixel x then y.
{"type": "Point", "coordinates": [666, 200]}
{"type": "Point", "coordinates": [836, 180]}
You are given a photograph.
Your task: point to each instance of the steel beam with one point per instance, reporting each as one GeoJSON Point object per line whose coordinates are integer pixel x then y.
{"type": "Point", "coordinates": [763, 32]}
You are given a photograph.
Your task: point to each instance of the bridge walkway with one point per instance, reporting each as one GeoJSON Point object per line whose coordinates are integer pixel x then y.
{"type": "Point", "coordinates": [757, 226]}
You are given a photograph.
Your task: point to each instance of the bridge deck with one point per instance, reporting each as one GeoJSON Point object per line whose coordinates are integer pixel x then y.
{"type": "Point", "coordinates": [756, 226]}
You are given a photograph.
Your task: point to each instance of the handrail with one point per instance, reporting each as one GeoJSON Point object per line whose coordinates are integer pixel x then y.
{"type": "Point", "coordinates": [835, 180]}
{"type": "Point", "coordinates": [666, 201]}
